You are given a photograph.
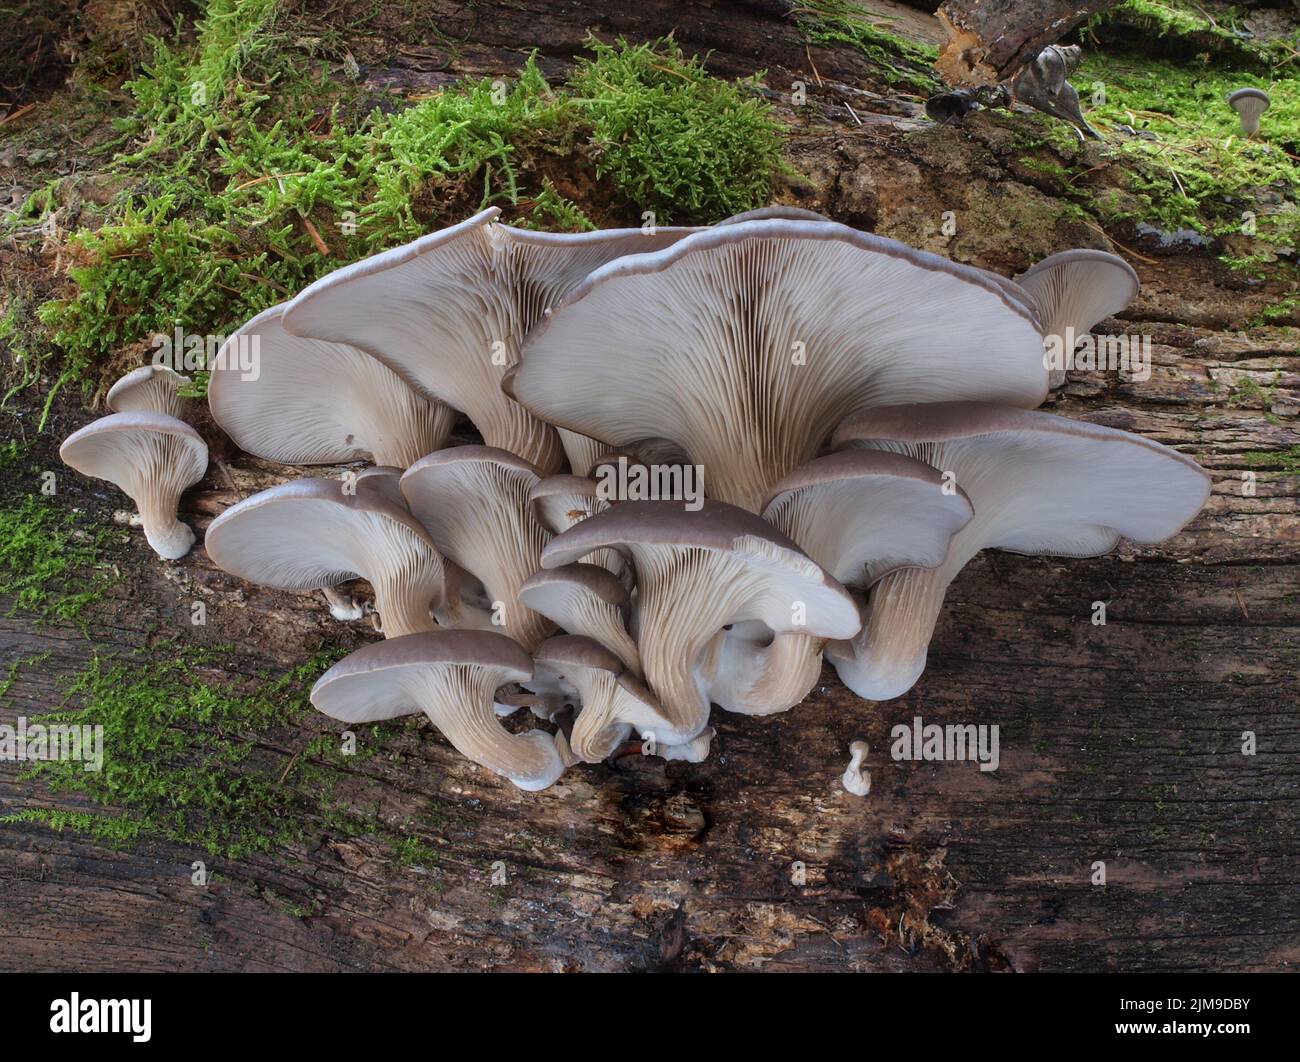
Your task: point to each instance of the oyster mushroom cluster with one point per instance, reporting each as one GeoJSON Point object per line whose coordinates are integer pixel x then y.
{"type": "Point", "coordinates": [861, 414]}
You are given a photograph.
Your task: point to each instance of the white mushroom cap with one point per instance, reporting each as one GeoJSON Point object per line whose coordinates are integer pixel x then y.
{"type": "Point", "coordinates": [153, 458]}
{"type": "Point", "coordinates": [473, 500]}
{"type": "Point", "coordinates": [1039, 484]}
{"type": "Point", "coordinates": [587, 600]}
{"type": "Point", "coordinates": [1074, 290]}
{"type": "Point", "coordinates": [612, 700]}
{"type": "Point", "coordinates": [309, 534]}
{"type": "Point", "coordinates": [313, 402]}
{"type": "Point", "coordinates": [1250, 104]}
{"type": "Point", "coordinates": [148, 389]}
{"type": "Point", "coordinates": [452, 677]}
{"type": "Point", "coordinates": [696, 573]}
{"type": "Point", "coordinates": [449, 311]}
{"type": "Point", "coordinates": [745, 344]}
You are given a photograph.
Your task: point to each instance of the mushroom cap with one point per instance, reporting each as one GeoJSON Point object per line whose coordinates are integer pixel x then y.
{"type": "Point", "coordinates": [563, 651]}
{"type": "Point", "coordinates": [561, 501]}
{"type": "Point", "coordinates": [584, 599]}
{"type": "Point", "coordinates": [1077, 288]}
{"type": "Point", "coordinates": [644, 527]}
{"type": "Point", "coordinates": [709, 331]}
{"type": "Point", "coordinates": [777, 210]}
{"type": "Point", "coordinates": [314, 402]}
{"type": "Point", "coordinates": [589, 578]}
{"type": "Point", "coordinates": [448, 312]}
{"type": "Point", "coordinates": [861, 513]}
{"type": "Point", "coordinates": [123, 446]}
{"type": "Point", "coordinates": [1040, 483]}
{"type": "Point", "coordinates": [473, 500]}
{"type": "Point", "coordinates": [372, 684]}
{"type": "Point", "coordinates": [1249, 99]}
{"type": "Point", "coordinates": [308, 534]}
{"type": "Point", "coordinates": [150, 388]}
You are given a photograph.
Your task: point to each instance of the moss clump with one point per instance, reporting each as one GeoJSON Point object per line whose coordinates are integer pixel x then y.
{"type": "Point", "coordinates": [672, 138]}
{"type": "Point", "coordinates": [901, 61]}
{"type": "Point", "coordinates": [1287, 460]}
{"type": "Point", "coordinates": [180, 759]}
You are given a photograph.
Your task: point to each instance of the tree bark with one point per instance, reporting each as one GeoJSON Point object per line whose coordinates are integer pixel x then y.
{"type": "Point", "coordinates": [989, 41]}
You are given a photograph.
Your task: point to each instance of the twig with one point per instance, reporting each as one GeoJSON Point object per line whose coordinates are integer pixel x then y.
{"type": "Point", "coordinates": [13, 116]}
{"type": "Point", "coordinates": [1126, 250]}
{"type": "Point", "coordinates": [321, 245]}
{"type": "Point", "coordinates": [817, 75]}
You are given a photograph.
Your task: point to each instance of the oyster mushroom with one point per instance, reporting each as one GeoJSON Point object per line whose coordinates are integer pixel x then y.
{"type": "Point", "coordinates": [1039, 484]}
{"type": "Point", "coordinates": [452, 677]}
{"type": "Point", "coordinates": [314, 402]}
{"type": "Point", "coordinates": [148, 389]}
{"type": "Point", "coordinates": [745, 345]}
{"type": "Point", "coordinates": [310, 534]}
{"type": "Point", "coordinates": [474, 502]}
{"type": "Point", "coordinates": [153, 458]}
{"type": "Point", "coordinates": [698, 572]}
{"type": "Point", "coordinates": [1250, 105]}
{"type": "Point", "coordinates": [587, 600]}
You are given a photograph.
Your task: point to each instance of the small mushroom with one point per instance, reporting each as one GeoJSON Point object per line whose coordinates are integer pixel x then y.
{"type": "Point", "coordinates": [452, 677]}
{"type": "Point", "coordinates": [745, 344]}
{"type": "Point", "coordinates": [449, 311]}
{"type": "Point", "coordinates": [696, 573]}
{"type": "Point", "coordinates": [1250, 104]}
{"type": "Point", "coordinates": [153, 458]}
{"type": "Point", "coordinates": [313, 402]}
{"type": "Point", "coordinates": [473, 500]}
{"type": "Point", "coordinates": [587, 600]}
{"type": "Point", "coordinates": [1039, 484]}
{"type": "Point", "coordinates": [148, 389]}
{"type": "Point", "coordinates": [1073, 290]}
{"type": "Point", "coordinates": [611, 699]}
{"type": "Point", "coordinates": [856, 779]}
{"type": "Point", "coordinates": [309, 534]}
{"type": "Point", "coordinates": [559, 502]}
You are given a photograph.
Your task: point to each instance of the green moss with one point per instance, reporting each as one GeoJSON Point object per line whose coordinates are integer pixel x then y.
{"type": "Point", "coordinates": [1287, 460]}
{"type": "Point", "coordinates": [1184, 26]}
{"type": "Point", "coordinates": [181, 759]}
{"type": "Point", "coordinates": [672, 138]}
{"type": "Point", "coordinates": [838, 22]}
{"type": "Point", "coordinates": [412, 852]}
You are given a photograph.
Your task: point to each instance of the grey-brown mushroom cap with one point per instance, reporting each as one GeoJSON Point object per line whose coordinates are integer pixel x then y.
{"type": "Point", "coordinates": [563, 651]}
{"type": "Point", "coordinates": [448, 312]}
{"type": "Point", "coordinates": [367, 686]}
{"type": "Point", "coordinates": [861, 514]}
{"type": "Point", "coordinates": [313, 401]}
{"type": "Point", "coordinates": [778, 211]}
{"type": "Point", "coordinates": [150, 388]}
{"type": "Point", "coordinates": [1243, 94]}
{"type": "Point", "coordinates": [454, 455]}
{"type": "Point", "coordinates": [96, 446]}
{"type": "Point", "coordinates": [1071, 488]}
{"type": "Point", "coordinates": [555, 497]}
{"type": "Point", "coordinates": [597, 581]}
{"type": "Point", "coordinates": [308, 534]}
{"type": "Point", "coordinates": [744, 344]}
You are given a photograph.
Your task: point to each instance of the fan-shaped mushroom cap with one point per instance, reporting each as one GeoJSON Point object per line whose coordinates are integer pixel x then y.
{"type": "Point", "coordinates": [309, 534]}
{"type": "Point", "coordinates": [1250, 104]}
{"type": "Point", "coordinates": [153, 458]}
{"type": "Point", "coordinates": [559, 502]}
{"type": "Point", "coordinates": [612, 700]}
{"type": "Point", "coordinates": [777, 211]}
{"type": "Point", "coordinates": [1039, 484]}
{"type": "Point", "coordinates": [861, 513]}
{"type": "Point", "coordinates": [745, 344]}
{"type": "Point", "coordinates": [696, 573]}
{"type": "Point", "coordinates": [448, 312]}
{"type": "Point", "coordinates": [451, 676]}
{"type": "Point", "coordinates": [587, 600]}
{"type": "Point", "coordinates": [473, 500]}
{"type": "Point", "coordinates": [314, 402]}
{"type": "Point", "coordinates": [148, 389]}
{"type": "Point", "coordinates": [1074, 290]}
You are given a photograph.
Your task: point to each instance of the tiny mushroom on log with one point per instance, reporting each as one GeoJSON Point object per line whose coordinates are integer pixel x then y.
{"type": "Point", "coordinates": [474, 502]}
{"type": "Point", "coordinates": [148, 389]}
{"type": "Point", "coordinates": [696, 573]}
{"type": "Point", "coordinates": [452, 677]}
{"type": "Point", "coordinates": [309, 534]}
{"type": "Point", "coordinates": [746, 343]}
{"type": "Point", "coordinates": [449, 311]}
{"type": "Point", "coordinates": [314, 402]}
{"type": "Point", "coordinates": [1073, 290]}
{"type": "Point", "coordinates": [153, 458]}
{"type": "Point", "coordinates": [1038, 483]}
{"type": "Point", "coordinates": [1250, 105]}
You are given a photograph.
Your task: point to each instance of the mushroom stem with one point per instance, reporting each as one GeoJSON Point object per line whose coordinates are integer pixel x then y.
{"type": "Point", "coordinates": [517, 431]}
{"type": "Point", "coordinates": [762, 674]}
{"type": "Point", "coordinates": [459, 701]}
{"type": "Point", "coordinates": [167, 536]}
{"type": "Point", "coordinates": [343, 607]}
{"type": "Point", "coordinates": [888, 656]}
